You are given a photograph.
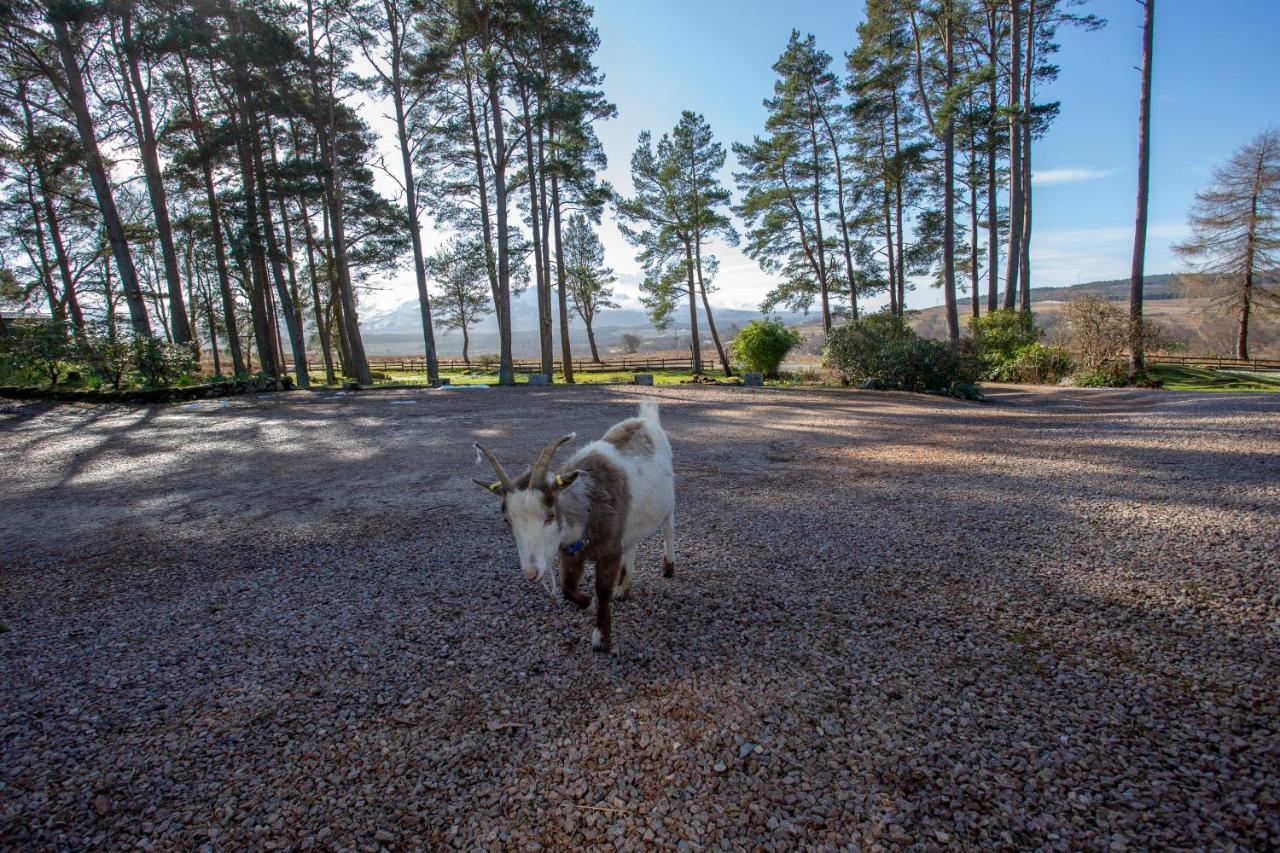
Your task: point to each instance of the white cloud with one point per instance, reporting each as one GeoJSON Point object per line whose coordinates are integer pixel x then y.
{"type": "Point", "coordinates": [1068, 175]}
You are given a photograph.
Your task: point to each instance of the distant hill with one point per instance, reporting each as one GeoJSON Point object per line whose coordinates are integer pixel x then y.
{"type": "Point", "coordinates": [1167, 286]}
{"type": "Point", "coordinates": [1187, 314]}
{"type": "Point", "coordinates": [399, 331]}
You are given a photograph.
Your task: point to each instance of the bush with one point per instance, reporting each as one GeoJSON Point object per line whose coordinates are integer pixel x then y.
{"type": "Point", "coordinates": [1005, 341]}
{"type": "Point", "coordinates": [852, 348]}
{"type": "Point", "coordinates": [923, 365]}
{"type": "Point", "coordinates": [160, 363]}
{"type": "Point", "coordinates": [36, 349]}
{"type": "Point", "coordinates": [107, 355]}
{"type": "Point", "coordinates": [1034, 363]}
{"type": "Point", "coordinates": [761, 345]}
{"type": "Point", "coordinates": [1000, 335]}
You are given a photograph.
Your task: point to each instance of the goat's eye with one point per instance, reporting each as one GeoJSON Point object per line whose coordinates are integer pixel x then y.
{"type": "Point", "coordinates": [551, 516]}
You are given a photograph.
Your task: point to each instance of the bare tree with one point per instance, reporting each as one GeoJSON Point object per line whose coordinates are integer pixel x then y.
{"type": "Point", "coordinates": [1235, 225]}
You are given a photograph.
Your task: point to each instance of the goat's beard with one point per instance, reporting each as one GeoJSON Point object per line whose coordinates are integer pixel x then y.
{"type": "Point", "coordinates": [551, 578]}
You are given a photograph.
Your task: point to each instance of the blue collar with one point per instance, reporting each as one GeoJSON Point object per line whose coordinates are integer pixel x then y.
{"type": "Point", "coordinates": [575, 547]}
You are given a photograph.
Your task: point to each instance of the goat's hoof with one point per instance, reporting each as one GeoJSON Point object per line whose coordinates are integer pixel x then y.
{"type": "Point", "coordinates": [668, 569]}
{"type": "Point", "coordinates": [598, 643]}
{"type": "Point", "coordinates": [621, 594]}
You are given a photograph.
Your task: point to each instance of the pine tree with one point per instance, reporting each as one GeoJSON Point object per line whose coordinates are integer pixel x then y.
{"type": "Point", "coordinates": [590, 282]}
{"type": "Point", "coordinates": [462, 286]}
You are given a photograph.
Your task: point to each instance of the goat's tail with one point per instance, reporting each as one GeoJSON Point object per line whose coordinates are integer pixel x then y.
{"type": "Point", "coordinates": [649, 411]}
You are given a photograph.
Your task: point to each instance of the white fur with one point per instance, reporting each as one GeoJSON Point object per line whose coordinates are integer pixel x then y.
{"type": "Point", "coordinates": [651, 484]}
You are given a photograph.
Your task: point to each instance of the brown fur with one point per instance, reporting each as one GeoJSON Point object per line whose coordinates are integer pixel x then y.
{"type": "Point", "coordinates": [631, 438]}
{"type": "Point", "coordinates": [606, 502]}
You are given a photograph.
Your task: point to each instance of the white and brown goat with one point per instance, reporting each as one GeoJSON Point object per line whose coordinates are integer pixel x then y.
{"type": "Point", "coordinates": [609, 497]}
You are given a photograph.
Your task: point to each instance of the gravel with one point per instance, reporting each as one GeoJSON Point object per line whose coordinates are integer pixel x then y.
{"type": "Point", "coordinates": [292, 621]}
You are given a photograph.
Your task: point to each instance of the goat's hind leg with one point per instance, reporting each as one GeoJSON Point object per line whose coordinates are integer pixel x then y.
{"type": "Point", "coordinates": [628, 573]}
{"type": "Point", "coordinates": [669, 545]}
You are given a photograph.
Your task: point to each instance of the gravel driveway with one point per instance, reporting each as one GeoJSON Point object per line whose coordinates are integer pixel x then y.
{"type": "Point", "coordinates": [292, 621]}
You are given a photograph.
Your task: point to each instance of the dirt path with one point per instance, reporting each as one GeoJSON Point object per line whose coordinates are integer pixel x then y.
{"type": "Point", "coordinates": [293, 621]}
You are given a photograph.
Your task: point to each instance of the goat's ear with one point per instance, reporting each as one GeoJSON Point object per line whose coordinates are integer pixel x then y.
{"type": "Point", "coordinates": [563, 481]}
{"type": "Point", "coordinates": [495, 487]}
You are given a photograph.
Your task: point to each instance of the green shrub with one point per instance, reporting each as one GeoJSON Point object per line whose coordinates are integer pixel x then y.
{"type": "Point", "coordinates": [1002, 340]}
{"type": "Point", "coordinates": [852, 348]}
{"type": "Point", "coordinates": [161, 364]}
{"type": "Point", "coordinates": [761, 346]}
{"type": "Point", "coordinates": [1000, 335]}
{"type": "Point", "coordinates": [1039, 364]}
{"type": "Point", "coordinates": [107, 355]}
{"type": "Point", "coordinates": [36, 350]}
{"type": "Point", "coordinates": [923, 365]}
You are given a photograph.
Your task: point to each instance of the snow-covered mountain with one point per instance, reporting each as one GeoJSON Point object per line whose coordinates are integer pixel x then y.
{"type": "Point", "coordinates": [398, 331]}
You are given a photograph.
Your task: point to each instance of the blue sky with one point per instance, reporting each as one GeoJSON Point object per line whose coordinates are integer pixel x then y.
{"type": "Point", "coordinates": [1215, 85]}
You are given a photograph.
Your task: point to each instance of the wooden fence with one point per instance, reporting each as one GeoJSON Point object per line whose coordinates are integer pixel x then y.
{"type": "Point", "coordinates": [418, 364]}
{"type": "Point", "coordinates": [1216, 361]}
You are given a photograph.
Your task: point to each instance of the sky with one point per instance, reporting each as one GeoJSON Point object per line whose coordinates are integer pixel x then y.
{"type": "Point", "coordinates": [1215, 85]}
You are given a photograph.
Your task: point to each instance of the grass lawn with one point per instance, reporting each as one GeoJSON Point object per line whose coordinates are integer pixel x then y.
{"type": "Point", "coordinates": [1179, 377]}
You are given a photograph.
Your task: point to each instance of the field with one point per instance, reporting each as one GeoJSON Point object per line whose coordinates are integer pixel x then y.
{"type": "Point", "coordinates": [292, 621]}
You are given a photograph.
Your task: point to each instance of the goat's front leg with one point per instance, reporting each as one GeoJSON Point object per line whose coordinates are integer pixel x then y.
{"type": "Point", "coordinates": [607, 568]}
{"type": "Point", "coordinates": [571, 566]}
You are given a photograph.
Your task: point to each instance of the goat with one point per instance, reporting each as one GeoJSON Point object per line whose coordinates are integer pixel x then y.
{"type": "Point", "coordinates": [610, 496]}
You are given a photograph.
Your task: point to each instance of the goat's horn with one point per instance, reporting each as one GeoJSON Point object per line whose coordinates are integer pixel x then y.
{"type": "Point", "coordinates": [503, 479]}
{"type": "Point", "coordinates": [538, 474]}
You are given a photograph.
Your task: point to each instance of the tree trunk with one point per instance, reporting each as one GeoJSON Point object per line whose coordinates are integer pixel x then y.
{"type": "Point", "coordinates": [546, 346]}
{"type": "Point", "coordinates": [506, 370]}
{"type": "Point", "coordinates": [411, 196]}
{"type": "Point", "coordinates": [973, 227]}
{"type": "Point", "coordinates": [322, 326]}
{"type": "Point", "coordinates": [993, 206]}
{"type": "Point", "coordinates": [899, 205]}
{"type": "Point", "coordinates": [1024, 254]}
{"type": "Point", "coordinates": [263, 332]}
{"type": "Point", "coordinates": [1250, 252]}
{"type": "Point", "coordinates": [1015, 155]}
{"type": "Point", "coordinates": [69, 300]}
{"type": "Point", "coordinates": [1136, 355]}
{"type": "Point", "coordinates": [57, 309]}
{"type": "Point", "coordinates": [212, 320]}
{"type": "Point", "coordinates": [693, 312]}
{"type": "Point", "coordinates": [98, 177]}
{"type": "Point", "coordinates": [591, 340]}
{"type": "Point", "coordinates": [486, 224]}
{"type": "Point", "coordinates": [147, 146]}
{"type": "Point", "coordinates": [215, 223]}
{"type": "Point", "coordinates": [566, 347]}
{"type": "Point", "coordinates": [844, 223]}
{"type": "Point", "coordinates": [817, 230]}
{"type": "Point", "coordinates": [886, 209]}
{"type": "Point", "coordinates": [949, 192]}
{"type": "Point", "coordinates": [466, 346]}
{"type": "Point", "coordinates": [292, 322]}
